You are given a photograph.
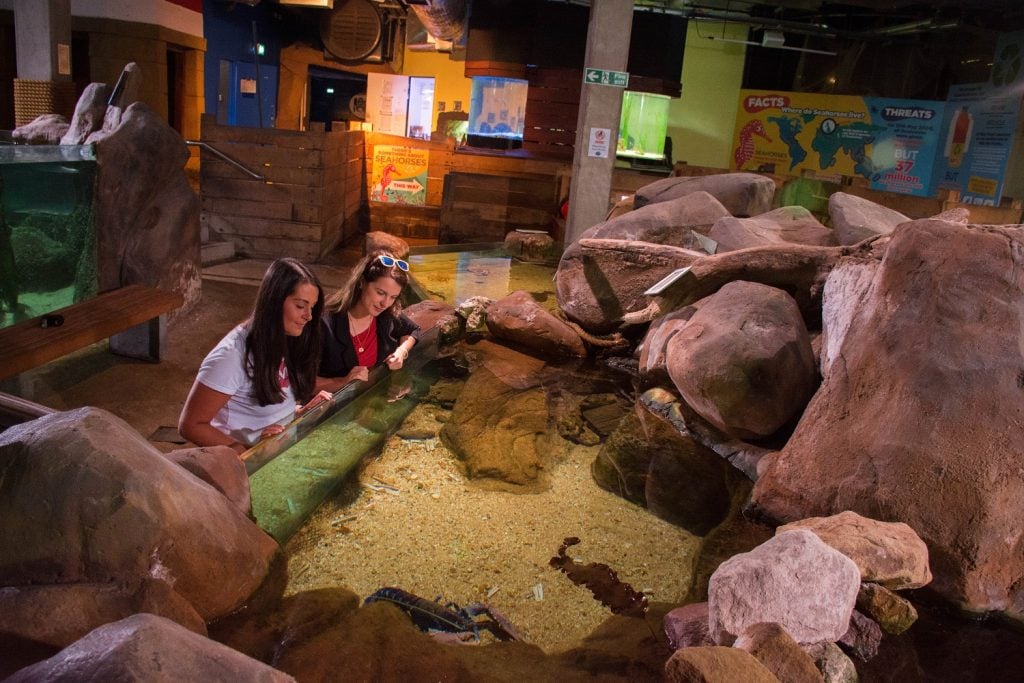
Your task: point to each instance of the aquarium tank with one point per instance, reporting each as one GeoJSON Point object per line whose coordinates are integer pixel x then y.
{"type": "Point", "coordinates": [47, 243]}
{"type": "Point", "coordinates": [496, 111]}
{"type": "Point", "coordinates": [643, 126]}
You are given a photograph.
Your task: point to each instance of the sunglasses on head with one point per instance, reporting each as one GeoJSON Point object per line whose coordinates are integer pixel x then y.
{"type": "Point", "coordinates": [390, 262]}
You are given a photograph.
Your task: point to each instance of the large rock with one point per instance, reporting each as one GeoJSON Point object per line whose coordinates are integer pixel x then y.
{"type": "Point", "coordinates": [893, 614]}
{"type": "Point", "coordinates": [531, 247]}
{"type": "Point", "coordinates": [520, 319]}
{"type": "Point", "coordinates": [794, 580]}
{"type": "Point", "coordinates": [84, 498]}
{"type": "Point", "coordinates": [780, 654]}
{"type": "Point", "coordinates": [599, 281]}
{"type": "Point", "coordinates": [742, 194]}
{"type": "Point", "coordinates": [687, 626]}
{"type": "Point", "coordinates": [920, 422]}
{"type": "Point", "coordinates": [500, 432]}
{"type": "Point", "coordinates": [595, 287]}
{"type": "Point", "coordinates": [47, 129]}
{"type": "Point", "coordinates": [219, 467]}
{"type": "Point", "coordinates": [715, 665]}
{"type": "Point", "coordinates": [855, 219]}
{"type": "Point", "coordinates": [146, 214]}
{"type": "Point", "coordinates": [60, 614]}
{"type": "Point", "coordinates": [89, 112]}
{"type": "Point", "coordinates": [650, 463]}
{"type": "Point", "coordinates": [743, 361]}
{"type": "Point", "coordinates": [846, 286]}
{"type": "Point", "coordinates": [793, 224]}
{"type": "Point", "coordinates": [886, 553]}
{"type": "Point", "coordinates": [145, 647]}
{"type": "Point", "coordinates": [379, 241]}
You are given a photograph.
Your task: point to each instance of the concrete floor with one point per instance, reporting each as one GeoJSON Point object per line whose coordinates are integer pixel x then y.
{"type": "Point", "coordinates": [149, 396]}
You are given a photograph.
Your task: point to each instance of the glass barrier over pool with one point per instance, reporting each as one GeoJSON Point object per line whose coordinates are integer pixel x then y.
{"type": "Point", "coordinates": [47, 243]}
{"type": "Point", "coordinates": [292, 473]}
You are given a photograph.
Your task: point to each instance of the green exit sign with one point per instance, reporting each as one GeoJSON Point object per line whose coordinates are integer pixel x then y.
{"type": "Point", "coordinates": [618, 79]}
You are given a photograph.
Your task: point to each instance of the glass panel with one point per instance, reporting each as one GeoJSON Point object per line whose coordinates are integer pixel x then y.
{"type": "Point", "coordinates": [643, 125]}
{"type": "Point", "coordinates": [47, 243]}
{"type": "Point", "coordinates": [496, 107]}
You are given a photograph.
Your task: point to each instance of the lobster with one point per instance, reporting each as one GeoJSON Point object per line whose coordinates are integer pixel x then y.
{"type": "Point", "coordinates": [433, 617]}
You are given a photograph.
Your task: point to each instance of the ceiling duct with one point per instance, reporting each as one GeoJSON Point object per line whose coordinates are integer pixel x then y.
{"type": "Point", "coordinates": [352, 30]}
{"type": "Point", "coordinates": [443, 19]}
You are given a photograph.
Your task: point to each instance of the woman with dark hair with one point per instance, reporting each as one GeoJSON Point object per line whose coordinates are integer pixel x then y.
{"type": "Point", "coordinates": [363, 325]}
{"type": "Point", "coordinates": [248, 385]}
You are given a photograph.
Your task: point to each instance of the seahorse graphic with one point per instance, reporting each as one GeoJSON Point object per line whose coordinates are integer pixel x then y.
{"type": "Point", "coordinates": [745, 151]}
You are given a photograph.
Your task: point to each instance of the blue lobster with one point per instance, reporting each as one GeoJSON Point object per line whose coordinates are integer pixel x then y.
{"type": "Point", "coordinates": [431, 616]}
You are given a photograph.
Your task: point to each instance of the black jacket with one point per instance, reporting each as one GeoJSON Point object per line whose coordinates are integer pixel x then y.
{"type": "Point", "coordinates": [338, 355]}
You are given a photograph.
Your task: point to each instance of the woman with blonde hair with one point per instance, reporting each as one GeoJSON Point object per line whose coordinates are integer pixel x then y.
{"type": "Point", "coordinates": [363, 324]}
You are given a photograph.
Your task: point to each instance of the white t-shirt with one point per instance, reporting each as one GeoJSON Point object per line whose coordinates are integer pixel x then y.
{"type": "Point", "coordinates": [242, 416]}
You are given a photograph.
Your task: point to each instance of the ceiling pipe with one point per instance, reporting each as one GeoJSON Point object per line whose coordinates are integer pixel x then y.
{"type": "Point", "coordinates": [443, 19]}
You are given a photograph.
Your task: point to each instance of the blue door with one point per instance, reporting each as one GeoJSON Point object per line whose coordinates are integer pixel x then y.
{"type": "Point", "coordinates": [243, 92]}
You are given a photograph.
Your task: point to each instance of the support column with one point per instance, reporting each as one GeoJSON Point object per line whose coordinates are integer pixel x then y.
{"type": "Point", "coordinates": [42, 30]}
{"type": "Point", "coordinates": [608, 33]}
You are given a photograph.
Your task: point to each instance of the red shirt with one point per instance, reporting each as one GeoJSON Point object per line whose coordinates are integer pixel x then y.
{"type": "Point", "coordinates": [367, 341]}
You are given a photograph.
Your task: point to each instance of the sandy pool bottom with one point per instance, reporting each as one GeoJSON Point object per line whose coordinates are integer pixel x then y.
{"type": "Point", "coordinates": [412, 520]}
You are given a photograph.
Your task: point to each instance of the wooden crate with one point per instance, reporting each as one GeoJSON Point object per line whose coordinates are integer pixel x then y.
{"type": "Point", "coordinates": [484, 208]}
{"type": "Point", "coordinates": [308, 201]}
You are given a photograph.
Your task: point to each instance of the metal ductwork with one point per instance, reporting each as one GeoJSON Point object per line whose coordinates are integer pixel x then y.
{"type": "Point", "coordinates": [443, 19]}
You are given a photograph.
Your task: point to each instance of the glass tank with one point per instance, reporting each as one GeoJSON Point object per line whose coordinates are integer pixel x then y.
{"type": "Point", "coordinates": [643, 125]}
{"type": "Point", "coordinates": [496, 110]}
{"type": "Point", "coordinates": [47, 244]}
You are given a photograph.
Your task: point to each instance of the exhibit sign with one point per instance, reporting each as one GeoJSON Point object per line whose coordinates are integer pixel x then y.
{"type": "Point", "coordinates": [890, 142]}
{"type": "Point", "coordinates": [980, 123]}
{"type": "Point", "coordinates": [399, 175]}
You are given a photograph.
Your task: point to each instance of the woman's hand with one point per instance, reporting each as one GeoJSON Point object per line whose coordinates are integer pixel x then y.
{"type": "Point", "coordinates": [270, 430]}
{"type": "Point", "coordinates": [396, 359]}
{"type": "Point", "coordinates": [321, 397]}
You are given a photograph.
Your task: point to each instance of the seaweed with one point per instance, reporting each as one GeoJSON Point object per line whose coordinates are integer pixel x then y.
{"type": "Point", "coordinates": [602, 581]}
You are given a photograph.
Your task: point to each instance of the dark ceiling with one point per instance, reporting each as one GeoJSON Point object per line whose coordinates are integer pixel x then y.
{"type": "Point", "coordinates": [858, 18]}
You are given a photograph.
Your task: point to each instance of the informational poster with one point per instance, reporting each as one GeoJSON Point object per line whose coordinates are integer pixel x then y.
{"type": "Point", "coordinates": [890, 142]}
{"type": "Point", "coordinates": [1008, 62]}
{"type": "Point", "coordinates": [387, 102]}
{"type": "Point", "coordinates": [399, 175]}
{"type": "Point", "coordinates": [979, 128]}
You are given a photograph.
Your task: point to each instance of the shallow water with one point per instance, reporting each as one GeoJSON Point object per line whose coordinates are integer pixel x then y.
{"type": "Point", "coordinates": [410, 518]}
{"type": "Point", "coordinates": [47, 249]}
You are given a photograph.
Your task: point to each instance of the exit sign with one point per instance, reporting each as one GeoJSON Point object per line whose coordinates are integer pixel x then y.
{"type": "Point", "coordinates": [619, 79]}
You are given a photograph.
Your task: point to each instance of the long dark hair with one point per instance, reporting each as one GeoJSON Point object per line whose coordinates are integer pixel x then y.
{"type": "Point", "coordinates": [368, 269]}
{"type": "Point", "coordinates": [267, 342]}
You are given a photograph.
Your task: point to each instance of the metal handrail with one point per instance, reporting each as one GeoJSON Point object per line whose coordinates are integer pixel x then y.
{"type": "Point", "coordinates": [216, 152]}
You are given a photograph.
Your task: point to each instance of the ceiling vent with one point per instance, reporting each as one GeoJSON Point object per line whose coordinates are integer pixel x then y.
{"type": "Point", "coordinates": [353, 30]}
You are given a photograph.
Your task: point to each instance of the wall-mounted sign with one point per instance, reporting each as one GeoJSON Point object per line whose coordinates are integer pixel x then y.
{"type": "Point", "coordinates": [247, 86]}
{"type": "Point", "coordinates": [618, 79]}
{"type": "Point", "coordinates": [399, 175]}
{"type": "Point", "coordinates": [599, 142]}
{"type": "Point", "coordinates": [890, 142]}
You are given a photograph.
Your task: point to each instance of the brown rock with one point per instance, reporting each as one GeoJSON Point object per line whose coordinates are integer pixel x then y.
{"type": "Point", "coordinates": [60, 614]}
{"type": "Point", "coordinates": [886, 553]}
{"type": "Point", "coordinates": [863, 637]}
{"type": "Point", "coordinates": [894, 614]}
{"type": "Point", "coordinates": [85, 499]}
{"type": "Point", "coordinates": [520, 319]}
{"type": "Point", "coordinates": [742, 194]}
{"type": "Point", "coordinates": [920, 422]}
{"type": "Point", "coordinates": [832, 662]}
{"type": "Point", "coordinates": [715, 665]}
{"type": "Point", "coordinates": [772, 646]}
{"type": "Point", "coordinates": [687, 626]}
{"type": "Point", "coordinates": [743, 361]}
{"type": "Point", "coordinates": [430, 314]}
{"type": "Point", "coordinates": [958, 214]}
{"type": "Point", "coordinates": [855, 219]}
{"type": "Point", "coordinates": [145, 647]}
{"type": "Point", "coordinates": [47, 129]}
{"type": "Point", "coordinates": [88, 116]}
{"type": "Point", "coordinates": [146, 214]}
{"type": "Point", "coordinates": [787, 224]}
{"type": "Point", "coordinates": [219, 467]}
{"type": "Point", "coordinates": [531, 247]}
